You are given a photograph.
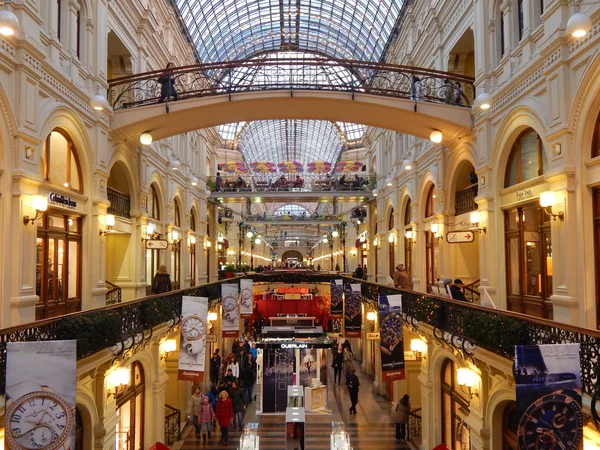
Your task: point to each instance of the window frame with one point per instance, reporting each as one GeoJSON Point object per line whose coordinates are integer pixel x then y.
{"type": "Point", "coordinates": [515, 152]}
{"type": "Point", "coordinates": [71, 153]}
{"type": "Point", "coordinates": [155, 212]}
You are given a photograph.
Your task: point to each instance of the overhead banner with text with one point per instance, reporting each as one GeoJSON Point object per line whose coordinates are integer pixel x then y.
{"type": "Point", "coordinates": [40, 394]}
{"type": "Point", "coordinates": [548, 379]}
{"type": "Point", "coordinates": [231, 311]}
{"type": "Point", "coordinates": [192, 349]}
{"type": "Point", "coordinates": [352, 310]}
{"type": "Point", "coordinates": [247, 301]}
{"type": "Point", "coordinates": [391, 338]}
{"type": "Point", "coordinates": [337, 298]}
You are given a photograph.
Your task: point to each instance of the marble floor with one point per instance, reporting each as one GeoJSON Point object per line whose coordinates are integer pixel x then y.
{"type": "Point", "coordinates": [369, 429]}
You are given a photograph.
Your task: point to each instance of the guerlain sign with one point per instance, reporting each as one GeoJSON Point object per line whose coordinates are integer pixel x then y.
{"type": "Point", "coordinates": [61, 200]}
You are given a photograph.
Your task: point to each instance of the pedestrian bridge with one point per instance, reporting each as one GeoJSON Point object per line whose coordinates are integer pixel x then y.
{"type": "Point", "coordinates": [405, 99]}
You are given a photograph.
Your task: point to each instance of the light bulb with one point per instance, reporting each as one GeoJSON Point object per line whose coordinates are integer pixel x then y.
{"type": "Point", "coordinates": [98, 102]}
{"type": "Point", "coordinates": [547, 199]}
{"type": "Point", "coordinates": [110, 220]}
{"type": "Point", "coordinates": [436, 136]}
{"type": "Point", "coordinates": [388, 181]}
{"type": "Point", "coordinates": [335, 233]}
{"type": "Point", "coordinates": [249, 234]}
{"type": "Point", "coordinates": [579, 25]}
{"type": "Point", "coordinates": [484, 100]}
{"type": "Point", "coordinates": [146, 138]}
{"type": "Point", "coordinates": [375, 192]}
{"type": "Point", "coordinates": [193, 180]}
{"type": "Point", "coordinates": [40, 203]}
{"type": "Point", "coordinates": [8, 23]}
{"type": "Point", "coordinates": [475, 217]}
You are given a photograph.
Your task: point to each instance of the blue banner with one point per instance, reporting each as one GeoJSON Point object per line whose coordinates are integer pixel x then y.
{"type": "Point", "coordinates": [391, 337]}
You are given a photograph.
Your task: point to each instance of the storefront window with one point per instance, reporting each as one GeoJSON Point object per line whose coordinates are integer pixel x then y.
{"type": "Point", "coordinates": [391, 244]}
{"type": "Point", "coordinates": [155, 207]}
{"type": "Point", "coordinates": [58, 265]}
{"type": "Point", "coordinates": [510, 423]}
{"type": "Point", "coordinates": [407, 242]}
{"type": "Point", "coordinates": [455, 408]}
{"type": "Point", "coordinates": [193, 249]}
{"type": "Point", "coordinates": [130, 410]}
{"type": "Point", "coordinates": [60, 165]}
{"type": "Point", "coordinates": [528, 243]}
{"type": "Point", "coordinates": [429, 202]}
{"type": "Point", "coordinates": [527, 159]}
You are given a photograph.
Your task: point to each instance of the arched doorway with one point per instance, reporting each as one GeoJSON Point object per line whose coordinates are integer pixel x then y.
{"type": "Point", "coordinates": [391, 243]}
{"type": "Point", "coordinates": [455, 408]}
{"type": "Point", "coordinates": [130, 410]}
{"type": "Point", "coordinates": [292, 258]}
{"type": "Point", "coordinates": [408, 242]}
{"type": "Point", "coordinates": [510, 423]}
{"type": "Point", "coordinates": [432, 248]}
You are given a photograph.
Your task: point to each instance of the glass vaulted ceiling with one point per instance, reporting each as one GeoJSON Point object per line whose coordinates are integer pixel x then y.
{"type": "Point", "coordinates": [237, 29]}
{"type": "Point", "coordinates": [291, 140]}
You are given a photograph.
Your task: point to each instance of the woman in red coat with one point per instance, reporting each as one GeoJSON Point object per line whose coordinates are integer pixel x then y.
{"type": "Point", "coordinates": [224, 414]}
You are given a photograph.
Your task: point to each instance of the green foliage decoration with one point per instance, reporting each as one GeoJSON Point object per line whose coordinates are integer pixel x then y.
{"type": "Point", "coordinates": [94, 331]}
{"type": "Point", "coordinates": [495, 332]}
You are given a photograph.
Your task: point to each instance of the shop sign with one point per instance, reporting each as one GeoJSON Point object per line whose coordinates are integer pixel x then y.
{"type": "Point", "coordinates": [458, 237]}
{"type": "Point", "coordinates": [294, 346]}
{"type": "Point", "coordinates": [211, 338]}
{"type": "Point", "coordinates": [372, 336]}
{"type": "Point", "coordinates": [524, 193]}
{"type": "Point", "coordinates": [60, 199]}
{"type": "Point", "coordinates": [409, 355]}
{"type": "Point", "coordinates": [157, 244]}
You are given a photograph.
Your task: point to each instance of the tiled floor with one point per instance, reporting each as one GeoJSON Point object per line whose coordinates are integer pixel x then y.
{"type": "Point", "coordinates": [368, 430]}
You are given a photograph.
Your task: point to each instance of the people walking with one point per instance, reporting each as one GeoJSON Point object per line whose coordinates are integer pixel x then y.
{"type": "Point", "coordinates": [162, 281]}
{"type": "Point", "coordinates": [400, 415]}
{"type": "Point", "coordinates": [338, 361]}
{"type": "Point", "coordinates": [195, 404]}
{"type": "Point", "coordinates": [224, 415]}
{"type": "Point", "coordinates": [239, 407]}
{"type": "Point", "coordinates": [348, 364]}
{"type": "Point", "coordinates": [215, 365]}
{"type": "Point", "coordinates": [207, 415]}
{"type": "Point", "coordinates": [353, 385]}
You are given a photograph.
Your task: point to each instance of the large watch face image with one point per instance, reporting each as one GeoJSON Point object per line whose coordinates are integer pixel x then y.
{"type": "Point", "coordinates": [247, 297]}
{"type": "Point", "coordinates": [391, 330]}
{"type": "Point", "coordinates": [352, 305]}
{"type": "Point", "coordinates": [552, 422]}
{"type": "Point", "coordinates": [229, 304]}
{"type": "Point", "coordinates": [39, 420]}
{"type": "Point", "coordinates": [193, 328]}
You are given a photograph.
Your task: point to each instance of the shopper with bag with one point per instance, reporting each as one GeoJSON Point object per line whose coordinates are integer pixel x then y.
{"type": "Point", "coordinates": [400, 415]}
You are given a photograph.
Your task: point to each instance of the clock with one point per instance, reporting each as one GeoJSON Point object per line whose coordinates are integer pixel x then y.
{"type": "Point", "coordinates": [193, 328]}
{"type": "Point", "coordinates": [39, 420]}
{"type": "Point", "coordinates": [552, 422]}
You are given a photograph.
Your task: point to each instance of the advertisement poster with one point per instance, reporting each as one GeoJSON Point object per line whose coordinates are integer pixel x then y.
{"type": "Point", "coordinates": [548, 379]}
{"type": "Point", "coordinates": [391, 338]}
{"type": "Point", "coordinates": [247, 301]}
{"type": "Point", "coordinates": [352, 310]}
{"type": "Point", "coordinates": [231, 311]}
{"type": "Point", "coordinates": [337, 297]}
{"type": "Point", "coordinates": [192, 349]}
{"type": "Point", "coordinates": [40, 394]}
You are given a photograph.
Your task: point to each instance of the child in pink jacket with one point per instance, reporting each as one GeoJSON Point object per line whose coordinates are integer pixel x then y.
{"type": "Point", "coordinates": [207, 414]}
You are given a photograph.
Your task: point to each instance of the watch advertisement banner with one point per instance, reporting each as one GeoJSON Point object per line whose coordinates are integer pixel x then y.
{"type": "Point", "coordinates": [192, 348]}
{"type": "Point", "coordinates": [231, 310]}
{"type": "Point", "coordinates": [548, 381]}
{"type": "Point", "coordinates": [247, 297]}
{"type": "Point", "coordinates": [40, 395]}
{"type": "Point", "coordinates": [337, 299]}
{"type": "Point", "coordinates": [391, 338]}
{"type": "Point", "coordinates": [352, 310]}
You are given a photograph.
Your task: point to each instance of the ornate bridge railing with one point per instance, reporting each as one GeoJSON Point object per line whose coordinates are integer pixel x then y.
{"type": "Point", "coordinates": [464, 200]}
{"type": "Point", "coordinates": [296, 74]}
{"type": "Point", "coordinates": [172, 425]}
{"type": "Point", "coordinates": [414, 424]}
{"type": "Point", "coordinates": [120, 204]}
{"type": "Point", "coordinates": [113, 295]}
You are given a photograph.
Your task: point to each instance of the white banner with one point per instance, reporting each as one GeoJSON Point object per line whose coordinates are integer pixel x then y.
{"type": "Point", "coordinates": [231, 310]}
{"type": "Point", "coordinates": [247, 301]}
{"type": "Point", "coordinates": [192, 350]}
{"type": "Point", "coordinates": [40, 395]}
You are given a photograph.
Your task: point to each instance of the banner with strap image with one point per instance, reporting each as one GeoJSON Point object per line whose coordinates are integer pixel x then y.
{"type": "Point", "coordinates": [192, 348]}
{"type": "Point", "coordinates": [247, 297]}
{"type": "Point", "coordinates": [231, 310]}
{"type": "Point", "coordinates": [40, 395]}
{"type": "Point", "coordinates": [337, 299]}
{"type": "Point", "coordinates": [352, 310]}
{"type": "Point", "coordinates": [391, 337]}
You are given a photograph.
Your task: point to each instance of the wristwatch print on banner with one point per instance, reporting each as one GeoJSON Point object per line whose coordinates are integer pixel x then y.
{"type": "Point", "coordinates": [193, 329]}
{"type": "Point", "coordinates": [37, 418]}
{"type": "Point", "coordinates": [230, 305]}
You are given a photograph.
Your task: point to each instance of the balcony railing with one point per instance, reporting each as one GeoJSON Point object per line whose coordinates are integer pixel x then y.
{"type": "Point", "coordinates": [293, 218]}
{"type": "Point", "coordinates": [113, 295]}
{"type": "Point", "coordinates": [172, 425]}
{"type": "Point", "coordinates": [464, 200]}
{"type": "Point", "coordinates": [414, 424]}
{"type": "Point", "coordinates": [288, 183]}
{"type": "Point", "coordinates": [120, 204]}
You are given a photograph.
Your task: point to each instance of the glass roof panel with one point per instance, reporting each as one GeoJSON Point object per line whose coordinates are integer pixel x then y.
{"type": "Point", "coordinates": [237, 29]}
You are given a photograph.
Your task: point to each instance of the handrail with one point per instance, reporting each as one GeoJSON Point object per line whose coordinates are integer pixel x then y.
{"type": "Point", "coordinates": [384, 79]}
{"type": "Point", "coordinates": [414, 424]}
{"type": "Point", "coordinates": [113, 295]}
{"type": "Point", "coordinates": [172, 424]}
{"type": "Point", "coordinates": [475, 295]}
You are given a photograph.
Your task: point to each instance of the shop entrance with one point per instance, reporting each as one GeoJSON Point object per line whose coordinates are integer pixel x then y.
{"type": "Point", "coordinates": [279, 366]}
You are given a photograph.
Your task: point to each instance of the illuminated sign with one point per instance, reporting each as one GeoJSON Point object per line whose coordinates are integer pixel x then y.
{"type": "Point", "coordinates": [62, 200]}
{"type": "Point", "coordinates": [294, 345]}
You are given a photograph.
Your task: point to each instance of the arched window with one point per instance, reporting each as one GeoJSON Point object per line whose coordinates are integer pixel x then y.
{"type": "Point", "coordinates": [130, 410]}
{"type": "Point", "coordinates": [177, 214]}
{"type": "Point", "coordinates": [429, 202]}
{"type": "Point", "coordinates": [155, 212]}
{"type": "Point", "coordinates": [510, 423]}
{"type": "Point", "coordinates": [407, 242]}
{"type": "Point", "coordinates": [176, 248]}
{"type": "Point", "coordinates": [192, 220]}
{"type": "Point", "coordinates": [527, 159]}
{"type": "Point", "coordinates": [455, 407]}
{"type": "Point", "coordinates": [391, 243]}
{"type": "Point", "coordinates": [291, 210]}
{"type": "Point", "coordinates": [193, 248]}
{"type": "Point", "coordinates": [60, 164]}
{"type": "Point", "coordinates": [596, 139]}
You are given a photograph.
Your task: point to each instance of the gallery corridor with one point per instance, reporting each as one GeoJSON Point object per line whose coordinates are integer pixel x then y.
{"type": "Point", "coordinates": [369, 429]}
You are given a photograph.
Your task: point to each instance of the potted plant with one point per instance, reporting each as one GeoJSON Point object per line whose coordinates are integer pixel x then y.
{"type": "Point", "coordinates": [229, 270]}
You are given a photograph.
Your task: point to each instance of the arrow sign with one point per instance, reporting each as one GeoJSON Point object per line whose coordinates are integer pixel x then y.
{"type": "Point", "coordinates": [459, 237]}
{"type": "Point", "coordinates": [157, 244]}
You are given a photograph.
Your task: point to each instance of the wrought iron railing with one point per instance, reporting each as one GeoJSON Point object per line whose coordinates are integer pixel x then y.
{"type": "Point", "coordinates": [120, 204]}
{"type": "Point", "coordinates": [172, 425]}
{"type": "Point", "coordinates": [464, 200]}
{"type": "Point", "coordinates": [293, 218]}
{"type": "Point", "coordinates": [259, 182]}
{"type": "Point", "coordinates": [472, 293]}
{"type": "Point", "coordinates": [113, 295]}
{"type": "Point", "coordinates": [296, 74]}
{"type": "Point", "coordinates": [414, 424]}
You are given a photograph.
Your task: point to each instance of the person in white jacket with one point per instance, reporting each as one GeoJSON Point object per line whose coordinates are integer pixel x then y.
{"type": "Point", "coordinates": [234, 366]}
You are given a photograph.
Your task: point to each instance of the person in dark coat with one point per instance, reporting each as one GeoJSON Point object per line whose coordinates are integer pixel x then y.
{"type": "Point", "coordinates": [358, 273]}
{"type": "Point", "coordinates": [167, 83]}
{"type": "Point", "coordinates": [249, 375]}
{"type": "Point", "coordinates": [456, 290]}
{"type": "Point", "coordinates": [338, 362]}
{"type": "Point", "coordinates": [353, 384]}
{"type": "Point", "coordinates": [162, 281]}
{"type": "Point", "coordinates": [215, 365]}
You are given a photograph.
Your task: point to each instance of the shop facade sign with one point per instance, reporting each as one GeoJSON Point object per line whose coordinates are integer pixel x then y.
{"type": "Point", "coordinates": [60, 199]}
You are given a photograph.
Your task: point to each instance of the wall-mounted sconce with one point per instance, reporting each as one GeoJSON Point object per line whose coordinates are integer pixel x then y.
{"type": "Point", "coordinates": [167, 348]}
{"type": "Point", "coordinates": [547, 201]}
{"type": "Point", "coordinates": [371, 316]}
{"type": "Point", "coordinates": [175, 239]}
{"type": "Point", "coordinates": [436, 136]}
{"type": "Point", "coordinates": [475, 219]}
{"type": "Point", "coordinates": [353, 252]}
{"type": "Point", "coordinates": [376, 242]}
{"type": "Point", "coordinates": [191, 241]}
{"type": "Point", "coordinates": [40, 204]}
{"type": "Point", "coordinates": [151, 232]}
{"type": "Point", "coordinates": [389, 181]}
{"type": "Point", "coordinates": [435, 228]}
{"type": "Point", "coordinates": [410, 236]}
{"type": "Point", "coordinates": [110, 223]}
{"type": "Point", "coordinates": [468, 381]}
{"type": "Point", "coordinates": [418, 347]}
{"type": "Point", "coordinates": [8, 22]}
{"type": "Point", "coordinates": [118, 381]}
{"type": "Point", "coordinates": [207, 244]}
{"type": "Point", "coordinates": [391, 238]}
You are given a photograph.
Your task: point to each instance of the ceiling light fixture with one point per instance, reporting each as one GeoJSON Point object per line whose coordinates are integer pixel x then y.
{"type": "Point", "coordinates": [146, 138]}
{"type": "Point", "coordinates": [8, 22]}
{"type": "Point", "coordinates": [389, 181]}
{"type": "Point", "coordinates": [579, 24]}
{"type": "Point", "coordinates": [436, 136]}
{"type": "Point", "coordinates": [194, 180]}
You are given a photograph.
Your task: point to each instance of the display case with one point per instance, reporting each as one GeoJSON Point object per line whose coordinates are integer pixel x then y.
{"type": "Point", "coordinates": [294, 428]}
{"type": "Point", "coordinates": [249, 440]}
{"type": "Point", "coordinates": [339, 438]}
{"type": "Point", "coordinates": [295, 396]}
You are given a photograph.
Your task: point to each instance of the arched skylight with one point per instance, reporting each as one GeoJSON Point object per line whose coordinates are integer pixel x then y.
{"type": "Point", "coordinates": [237, 29]}
{"type": "Point", "coordinates": [291, 210]}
